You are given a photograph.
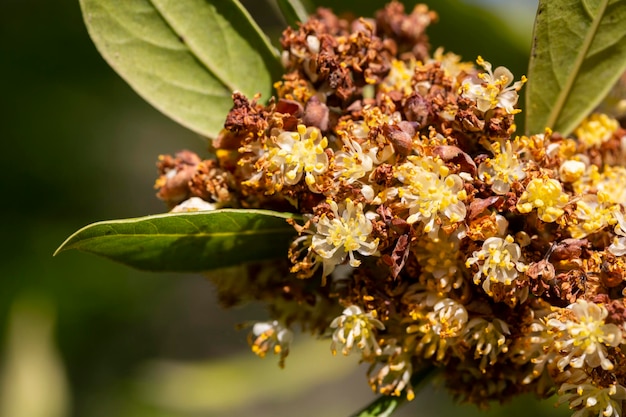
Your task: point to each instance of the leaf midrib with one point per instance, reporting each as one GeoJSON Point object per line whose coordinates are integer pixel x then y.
{"type": "Point", "coordinates": [559, 105]}
{"type": "Point", "coordinates": [200, 234]}
{"type": "Point", "coordinates": [193, 53]}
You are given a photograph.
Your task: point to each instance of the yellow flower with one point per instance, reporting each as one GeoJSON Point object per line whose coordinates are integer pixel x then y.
{"type": "Point", "coordinates": [612, 182]}
{"type": "Point", "coordinates": [399, 77]}
{"type": "Point", "coordinates": [592, 214]}
{"type": "Point", "coordinates": [596, 129]}
{"type": "Point", "coordinates": [547, 196]}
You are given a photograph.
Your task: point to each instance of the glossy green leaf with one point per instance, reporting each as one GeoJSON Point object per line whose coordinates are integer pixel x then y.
{"type": "Point", "coordinates": [185, 57]}
{"type": "Point", "coordinates": [188, 242]}
{"type": "Point", "coordinates": [386, 405]}
{"type": "Point", "coordinates": [579, 52]}
{"type": "Point", "coordinates": [293, 11]}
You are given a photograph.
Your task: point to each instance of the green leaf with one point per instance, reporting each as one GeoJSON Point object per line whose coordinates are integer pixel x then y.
{"type": "Point", "coordinates": [386, 405]}
{"type": "Point", "coordinates": [185, 57]}
{"type": "Point", "coordinates": [579, 52]}
{"type": "Point", "coordinates": [293, 11]}
{"type": "Point", "coordinates": [188, 242]}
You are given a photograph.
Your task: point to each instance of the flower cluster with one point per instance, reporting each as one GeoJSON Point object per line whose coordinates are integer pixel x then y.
{"type": "Point", "coordinates": [430, 234]}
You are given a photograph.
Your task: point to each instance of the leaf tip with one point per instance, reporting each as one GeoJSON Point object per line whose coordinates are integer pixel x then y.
{"type": "Point", "coordinates": [62, 247]}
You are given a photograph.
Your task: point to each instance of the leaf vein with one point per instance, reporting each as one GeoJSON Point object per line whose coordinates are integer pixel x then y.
{"type": "Point", "coordinates": [123, 23]}
{"type": "Point", "coordinates": [573, 75]}
{"type": "Point", "coordinates": [174, 28]}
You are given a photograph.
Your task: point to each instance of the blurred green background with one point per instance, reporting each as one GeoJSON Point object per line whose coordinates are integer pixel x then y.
{"type": "Point", "coordinates": [81, 336]}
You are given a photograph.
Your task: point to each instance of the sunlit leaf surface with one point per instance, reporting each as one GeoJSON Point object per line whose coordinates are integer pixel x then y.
{"type": "Point", "coordinates": [185, 57]}
{"type": "Point", "coordinates": [579, 52]}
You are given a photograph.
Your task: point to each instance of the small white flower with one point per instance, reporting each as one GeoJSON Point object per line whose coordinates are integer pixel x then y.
{"type": "Point", "coordinates": [572, 170]}
{"type": "Point", "coordinates": [439, 260]}
{"type": "Point", "coordinates": [194, 204]}
{"type": "Point", "coordinates": [356, 328]}
{"type": "Point", "coordinates": [353, 162]}
{"type": "Point", "coordinates": [394, 376]}
{"type": "Point", "coordinates": [498, 261]}
{"type": "Point", "coordinates": [618, 247]}
{"type": "Point", "coordinates": [529, 349]}
{"type": "Point", "coordinates": [313, 43]}
{"type": "Point", "coordinates": [590, 400]}
{"type": "Point", "coordinates": [433, 195]}
{"type": "Point", "coordinates": [440, 329]}
{"type": "Point", "coordinates": [503, 169]}
{"type": "Point", "coordinates": [584, 339]}
{"type": "Point", "coordinates": [270, 336]}
{"type": "Point", "coordinates": [488, 338]}
{"type": "Point", "coordinates": [298, 154]}
{"type": "Point", "coordinates": [340, 236]}
{"type": "Point", "coordinates": [493, 89]}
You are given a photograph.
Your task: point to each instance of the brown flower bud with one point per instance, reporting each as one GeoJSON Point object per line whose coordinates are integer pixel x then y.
{"type": "Point", "coordinates": [417, 109]}
{"type": "Point", "coordinates": [316, 114]}
{"type": "Point", "coordinates": [401, 141]}
{"type": "Point", "coordinates": [173, 184]}
{"type": "Point", "coordinates": [568, 249]}
{"type": "Point", "coordinates": [542, 270]}
{"type": "Point", "coordinates": [456, 155]}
